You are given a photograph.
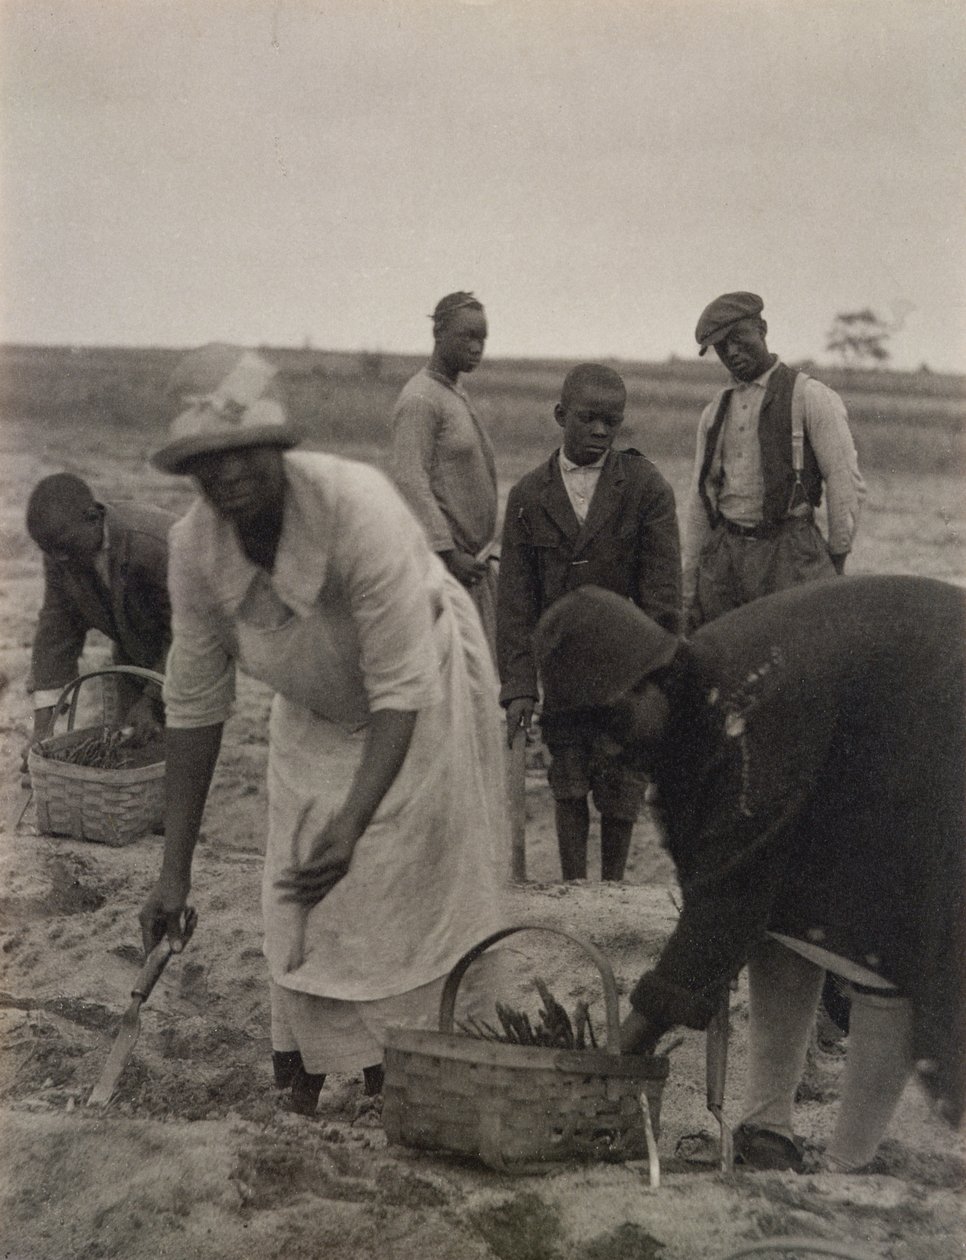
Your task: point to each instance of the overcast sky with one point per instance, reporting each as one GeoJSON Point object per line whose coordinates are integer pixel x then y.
{"type": "Point", "coordinates": [271, 171]}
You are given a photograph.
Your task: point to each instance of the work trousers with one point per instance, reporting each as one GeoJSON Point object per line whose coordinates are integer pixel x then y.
{"type": "Point", "coordinates": [733, 569]}
{"type": "Point", "coordinates": [784, 990]}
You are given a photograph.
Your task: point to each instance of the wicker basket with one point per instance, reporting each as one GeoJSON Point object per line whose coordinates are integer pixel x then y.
{"type": "Point", "coordinates": [521, 1108]}
{"type": "Point", "coordinates": [88, 803]}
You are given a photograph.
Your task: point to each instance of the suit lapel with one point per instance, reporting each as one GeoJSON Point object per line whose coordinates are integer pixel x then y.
{"type": "Point", "coordinates": [556, 502]}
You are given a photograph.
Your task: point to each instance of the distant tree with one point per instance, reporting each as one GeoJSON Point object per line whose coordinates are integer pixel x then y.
{"type": "Point", "coordinates": [858, 338]}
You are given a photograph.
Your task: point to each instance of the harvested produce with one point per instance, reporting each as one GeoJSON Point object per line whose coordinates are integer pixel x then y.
{"type": "Point", "coordinates": [554, 1027]}
{"type": "Point", "coordinates": [109, 749]}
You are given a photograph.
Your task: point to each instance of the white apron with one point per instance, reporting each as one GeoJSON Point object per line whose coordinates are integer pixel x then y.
{"type": "Point", "coordinates": [424, 882]}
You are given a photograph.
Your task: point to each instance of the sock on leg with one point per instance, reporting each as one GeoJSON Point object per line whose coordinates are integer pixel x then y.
{"type": "Point", "coordinates": [877, 1065]}
{"type": "Point", "coordinates": [783, 990]}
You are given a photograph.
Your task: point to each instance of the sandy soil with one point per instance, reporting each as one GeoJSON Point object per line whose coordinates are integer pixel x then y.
{"type": "Point", "coordinates": [198, 1157]}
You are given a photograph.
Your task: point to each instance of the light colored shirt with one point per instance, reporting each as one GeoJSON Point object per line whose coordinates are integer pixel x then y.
{"type": "Point", "coordinates": [580, 482]}
{"type": "Point", "coordinates": [442, 461]}
{"type": "Point", "coordinates": [738, 456]}
{"type": "Point", "coordinates": [349, 602]}
{"type": "Point", "coordinates": [736, 468]}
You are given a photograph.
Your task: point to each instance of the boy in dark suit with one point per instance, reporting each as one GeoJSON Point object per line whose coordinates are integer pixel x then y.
{"type": "Point", "coordinates": [588, 514]}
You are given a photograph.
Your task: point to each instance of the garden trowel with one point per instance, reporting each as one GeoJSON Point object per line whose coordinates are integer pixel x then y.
{"type": "Point", "coordinates": [124, 1043]}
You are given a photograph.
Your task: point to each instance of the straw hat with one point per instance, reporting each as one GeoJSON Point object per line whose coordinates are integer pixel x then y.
{"type": "Point", "coordinates": [225, 399]}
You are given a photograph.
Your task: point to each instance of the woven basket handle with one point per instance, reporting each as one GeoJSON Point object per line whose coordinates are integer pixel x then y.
{"type": "Point", "coordinates": [448, 1000]}
{"type": "Point", "coordinates": [818, 1247]}
{"type": "Point", "coordinates": [72, 690]}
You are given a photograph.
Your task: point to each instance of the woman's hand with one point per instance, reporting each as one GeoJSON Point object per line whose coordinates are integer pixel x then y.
{"type": "Point", "coordinates": [388, 737]}
{"type": "Point", "coordinates": [328, 862]}
{"type": "Point", "coordinates": [163, 914]}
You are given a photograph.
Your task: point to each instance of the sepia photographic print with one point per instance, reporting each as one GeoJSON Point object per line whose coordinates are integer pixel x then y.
{"type": "Point", "coordinates": [481, 629]}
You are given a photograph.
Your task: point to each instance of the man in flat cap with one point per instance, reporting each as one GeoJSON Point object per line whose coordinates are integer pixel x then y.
{"type": "Point", "coordinates": [767, 446]}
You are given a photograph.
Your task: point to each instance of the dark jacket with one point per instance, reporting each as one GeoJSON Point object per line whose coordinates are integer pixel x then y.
{"type": "Point", "coordinates": [133, 610]}
{"type": "Point", "coordinates": [812, 783]}
{"type": "Point", "coordinates": [775, 441]}
{"type": "Point", "coordinates": [629, 544]}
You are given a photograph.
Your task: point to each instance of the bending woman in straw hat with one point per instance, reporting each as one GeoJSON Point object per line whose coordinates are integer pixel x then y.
{"type": "Point", "coordinates": [309, 573]}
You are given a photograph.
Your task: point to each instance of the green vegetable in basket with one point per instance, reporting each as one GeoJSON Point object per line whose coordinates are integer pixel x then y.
{"type": "Point", "coordinates": [554, 1028]}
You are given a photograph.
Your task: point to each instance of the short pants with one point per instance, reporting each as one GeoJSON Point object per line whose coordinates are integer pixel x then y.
{"type": "Point", "coordinates": [579, 766]}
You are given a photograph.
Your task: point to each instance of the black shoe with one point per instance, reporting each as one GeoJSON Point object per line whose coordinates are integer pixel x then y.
{"type": "Point", "coordinates": [285, 1063]}
{"type": "Point", "coordinates": [764, 1150]}
{"type": "Point", "coordinates": [373, 1078]}
{"type": "Point", "coordinates": [306, 1088]}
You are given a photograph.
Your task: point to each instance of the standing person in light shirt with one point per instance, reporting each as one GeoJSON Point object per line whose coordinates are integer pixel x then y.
{"type": "Point", "coordinates": [768, 445]}
{"type": "Point", "coordinates": [588, 514]}
{"type": "Point", "coordinates": [442, 458]}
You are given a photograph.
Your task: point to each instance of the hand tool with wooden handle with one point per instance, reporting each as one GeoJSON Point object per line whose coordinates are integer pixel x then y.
{"type": "Point", "coordinates": [716, 1069]}
{"type": "Point", "coordinates": [517, 793]}
{"type": "Point", "coordinates": [124, 1043]}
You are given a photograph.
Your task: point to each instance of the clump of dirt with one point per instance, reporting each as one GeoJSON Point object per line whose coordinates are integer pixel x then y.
{"type": "Point", "coordinates": [628, 1242]}
{"type": "Point", "coordinates": [405, 1189]}
{"type": "Point", "coordinates": [271, 1172]}
{"type": "Point", "coordinates": [70, 888]}
{"type": "Point", "coordinates": [520, 1228]}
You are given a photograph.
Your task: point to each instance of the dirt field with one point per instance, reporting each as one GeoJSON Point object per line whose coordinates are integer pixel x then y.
{"type": "Point", "coordinates": [198, 1159]}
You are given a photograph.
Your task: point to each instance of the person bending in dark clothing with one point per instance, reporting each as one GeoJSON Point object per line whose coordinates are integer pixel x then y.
{"type": "Point", "coordinates": [813, 804]}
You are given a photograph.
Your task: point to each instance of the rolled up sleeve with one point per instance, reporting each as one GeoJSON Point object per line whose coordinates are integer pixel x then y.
{"type": "Point", "coordinates": [384, 563]}
{"type": "Point", "coordinates": [199, 680]}
{"type": "Point", "coordinates": [827, 425]}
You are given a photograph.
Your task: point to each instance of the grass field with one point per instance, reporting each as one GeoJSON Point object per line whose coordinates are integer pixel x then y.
{"type": "Point", "coordinates": [903, 422]}
{"type": "Point", "coordinates": [100, 412]}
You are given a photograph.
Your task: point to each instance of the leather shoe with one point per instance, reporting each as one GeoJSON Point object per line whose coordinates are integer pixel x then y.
{"type": "Point", "coordinates": [764, 1150]}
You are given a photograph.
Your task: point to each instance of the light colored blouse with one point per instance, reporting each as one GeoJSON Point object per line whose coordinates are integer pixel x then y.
{"type": "Point", "coordinates": [351, 599]}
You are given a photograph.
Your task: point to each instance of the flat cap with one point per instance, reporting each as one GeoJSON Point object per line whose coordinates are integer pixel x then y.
{"type": "Point", "coordinates": [593, 645]}
{"type": "Point", "coordinates": [718, 316]}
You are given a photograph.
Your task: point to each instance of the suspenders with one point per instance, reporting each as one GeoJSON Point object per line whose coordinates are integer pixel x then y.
{"type": "Point", "coordinates": [798, 495]}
